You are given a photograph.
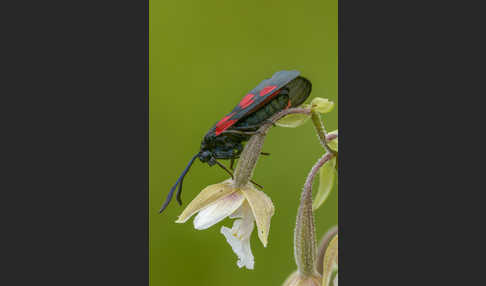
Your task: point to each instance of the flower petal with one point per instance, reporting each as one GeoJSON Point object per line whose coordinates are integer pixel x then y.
{"type": "Point", "coordinates": [245, 214]}
{"type": "Point", "coordinates": [218, 210]}
{"type": "Point", "coordinates": [239, 236]}
{"type": "Point", "coordinates": [207, 196]}
{"type": "Point", "coordinates": [262, 208]}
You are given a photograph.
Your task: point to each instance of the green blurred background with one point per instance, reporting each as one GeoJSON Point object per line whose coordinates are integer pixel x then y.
{"type": "Point", "coordinates": [203, 58]}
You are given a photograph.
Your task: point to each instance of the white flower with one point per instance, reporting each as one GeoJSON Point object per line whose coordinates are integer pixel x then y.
{"type": "Point", "coordinates": [239, 235]}
{"type": "Point", "coordinates": [246, 204]}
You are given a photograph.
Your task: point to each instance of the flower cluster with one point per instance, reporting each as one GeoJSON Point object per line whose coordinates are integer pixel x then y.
{"type": "Point", "coordinates": [239, 199]}
{"type": "Point", "coordinates": [245, 204]}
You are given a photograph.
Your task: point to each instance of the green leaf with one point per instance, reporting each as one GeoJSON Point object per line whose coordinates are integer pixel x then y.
{"type": "Point", "coordinates": [293, 120]}
{"type": "Point", "coordinates": [330, 263]}
{"type": "Point", "coordinates": [322, 105]}
{"type": "Point", "coordinates": [327, 174]}
{"type": "Point", "coordinates": [333, 144]}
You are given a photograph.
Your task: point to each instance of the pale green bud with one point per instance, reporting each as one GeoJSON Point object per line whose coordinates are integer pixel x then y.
{"type": "Point", "coordinates": [322, 105]}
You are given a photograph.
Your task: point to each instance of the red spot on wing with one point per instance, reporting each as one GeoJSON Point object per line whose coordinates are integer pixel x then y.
{"type": "Point", "coordinates": [225, 123]}
{"type": "Point", "coordinates": [246, 101]}
{"type": "Point", "coordinates": [267, 89]}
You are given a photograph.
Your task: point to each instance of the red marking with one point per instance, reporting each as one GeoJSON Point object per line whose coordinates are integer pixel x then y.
{"type": "Point", "coordinates": [246, 101]}
{"type": "Point", "coordinates": [288, 105]}
{"type": "Point", "coordinates": [224, 123]}
{"type": "Point", "coordinates": [265, 101]}
{"type": "Point", "coordinates": [267, 89]}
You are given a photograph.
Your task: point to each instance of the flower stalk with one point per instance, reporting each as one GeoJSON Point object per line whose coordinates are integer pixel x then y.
{"type": "Point", "coordinates": [330, 137]}
{"type": "Point", "coordinates": [248, 159]}
{"type": "Point", "coordinates": [305, 247]}
{"type": "Point", "coordinates": [315, 169]}
{"type": "Point", "coordinates": [250, 154]}
{"type": "Point", "coordinates": [321, 131]}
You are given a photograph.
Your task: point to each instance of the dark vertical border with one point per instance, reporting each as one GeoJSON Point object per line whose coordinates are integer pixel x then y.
{"type": "Point", "coordinates": [407, 215]}
{"type": "Point", "coordinates": [75, 181]}
{"type": "Point", "coordinates": [342, 130]}
{"type": "Point", "coordinates": [147, 134]}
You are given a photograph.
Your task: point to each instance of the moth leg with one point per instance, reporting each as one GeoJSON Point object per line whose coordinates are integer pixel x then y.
{"type": "Point", "coordinates": [265, 153]}
{"type": "Point", "coordinates": [253, 127]}
{"type": "Point", "coordinates": [231, 173]}
{"type": "Point", "coordinates": [241, 132]}
{"type": "Point", "coordinates": [224, 168]}
{"type": "Point", "coordinates": [239, 148]}
{"type": "Point", "coordinates": [236, 154]}
{"type": "Point", "coordinates": [225, 155]}
{"type": "Point", "coordinates": [243, 128]}
{"type": "Point", "coordinates": [258, 185]}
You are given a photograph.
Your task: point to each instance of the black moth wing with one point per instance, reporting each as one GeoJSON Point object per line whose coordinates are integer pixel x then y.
{"type": "Point", "coordinates": [299, 89]}
{"type": "Point", "coordinates": [279, 79]}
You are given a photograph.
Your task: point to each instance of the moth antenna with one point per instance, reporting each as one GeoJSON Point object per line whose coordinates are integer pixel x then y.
{"type": "Point", "coordinates": [178, 182]}
{"type": "Point", "coordinates": [179, 191]}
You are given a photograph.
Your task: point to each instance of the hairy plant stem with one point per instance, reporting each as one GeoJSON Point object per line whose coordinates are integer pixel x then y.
{"type": "Point", "coordinates": [315, 169]}
{"type": "Point", "coordinates": [248, 159]}
{"type": "Point", "coordinates": [305, 248]}
{"type": "Point", "coordinates": [330, 137]}
{"type": "Point", "coordinates": [251, 152]}
{"type": "Point", "coordinates": [321, 131]}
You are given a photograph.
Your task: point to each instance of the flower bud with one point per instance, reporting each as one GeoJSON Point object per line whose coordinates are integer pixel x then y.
{"type": "Point", "coordinates": [322, 105]}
